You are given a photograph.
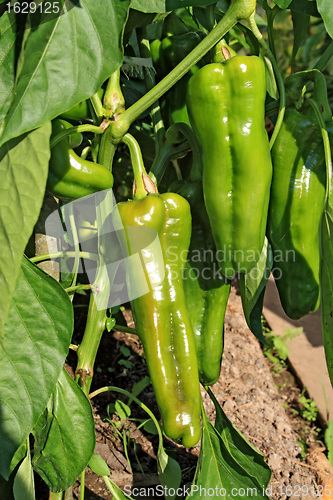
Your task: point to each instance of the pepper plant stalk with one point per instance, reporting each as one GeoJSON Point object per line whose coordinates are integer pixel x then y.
{"type": "Point", "coordinates": [88, 348]}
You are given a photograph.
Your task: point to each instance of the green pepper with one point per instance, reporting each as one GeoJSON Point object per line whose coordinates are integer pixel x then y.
{"type": "Point", "coordinates": [296, 205]}
{"type": "Point", "coordinates": [70, 177]}
{"type": "Point", "coordinates": [226, 105]}
{"type": "Point", "coordinates": [206, 291]}
{"type": "Point", "coordinates": [160, 315]}
{"type": "Point", "coordinates": [166, 55]}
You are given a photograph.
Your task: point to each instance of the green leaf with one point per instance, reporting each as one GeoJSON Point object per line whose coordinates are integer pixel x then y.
{"type": "Point", "coordinates": [329, 440]}
{"type": "Point", "coordinates": [167, 5]}
{"type": "Point", "coordinates": [301, 23]}
{"type": "Point", "coordinates": [24, 485]}
{"type": "Point", "coordinates": [305, 7]}
{"type": "Point", "coordinates": [59, 68]}
{"type": "Point", "coordinates": [36, 340]}
{"type": "Point", "coordinates": [228, 464]}
{"type": "Point", "coordinates": [326, 284]}
{"type": "Point", "coordinates": [98, 465]}
{"type": "Point", "coordinates": [150, 427]}
{"type": "Point", "coordinates": [149, 5]}
{"type": "Point", "coordinates": [122, 410]}
{"type": "Point", "coordinates": [65, 435]}
{"type": "Point", "coordinates": [325, 10]}
{"type": "Point", "coordinates": [138, 387]}
{"type": "Point", "coordinates": [116, 491]}
{"type": "Point", "coordinates": [23, 172]}
{"type": "Point", "coordinates": [7, 69]}
{"type": "Point", "coordinates": [252, 289]}
{"type": "Point", "coordinates": [169, 472]}
{"type": "Point", "coordinates": [283, 4]}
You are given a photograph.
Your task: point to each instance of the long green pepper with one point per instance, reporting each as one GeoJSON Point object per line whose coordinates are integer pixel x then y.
{"type": "Point", "coordinates": [226, 105]}
{"type": "Point", "coordinates": [206, 291]}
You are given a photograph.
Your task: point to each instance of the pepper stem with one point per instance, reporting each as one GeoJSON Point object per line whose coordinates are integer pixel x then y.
{"type": "Point", "coordinates": [142, 183]}
{"type": "Point", "coordinates": [114, 102]}
{"type": "Point", "coordinates": [158, 125]}
{"type": "Point", "coordinates": [279, 79]}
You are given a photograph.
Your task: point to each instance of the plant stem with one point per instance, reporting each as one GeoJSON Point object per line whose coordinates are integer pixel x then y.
{"type": "Point", "coordinates": [233, 14]}
{"type": "Point", "coordinates": [82, 484]}
{"type": "Point", "coordinates": [125, 329]}
{"type": "Point", "coordinates": [57, 255]}
{"type": "Point", "coordinates": [282, 107]}
{"type": "Point", "coordinates": [325, 57]}
{"type": "Point", "coordinates": [78, 287]}
{"type": "Point", "coordinates": [88, 348]}
{"type": "Point", "coordinates": [97, 106]}
{"type": "Point", "coordinates": [158, 125]}
{"type": "Point", "coordinates": [79, 128]}
{"type": "Point", "coordinates": [107, 149]}
{"type": "Point", "coordinates": [98, 304]}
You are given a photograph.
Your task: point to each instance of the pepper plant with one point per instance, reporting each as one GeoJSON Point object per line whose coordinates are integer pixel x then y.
{"type": "Point", "coordinates": [181, 88]}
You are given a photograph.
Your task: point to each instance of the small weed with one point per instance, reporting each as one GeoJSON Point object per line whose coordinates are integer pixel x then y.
{"type": "Point", "coordinates": [308, 408]}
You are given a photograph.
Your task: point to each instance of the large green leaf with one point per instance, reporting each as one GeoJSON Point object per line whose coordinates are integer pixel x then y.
{"type": "Point", "coordinates": [242, 451]}
{"type": "Point", "coordinates": [65, 60]}
{"type": "Point", "coordinates": [325, 10]}
{"type": "Point", "coordinates": [305, 7]}
{"type": "Point", "coordinates": [36, 339]}
{"type": "Point", "coordinates": [166, 5]}
{"type": "Point", "coordinates": [65, 435]}
{"type": "Point", "coordinates": [149, 5]}
{"type": "Point", "coordinates": [252, 290]}
{"type": "Point", "coordinates": [23, 172]}
{"type": "Point", "coordinates": [228, 466]}
{"type": "Point", "coordinates": [326, 285]}
{"type": "Point", "coordinates": [7, 58]}
{"type": "Point", "coordinates": [283, 4]}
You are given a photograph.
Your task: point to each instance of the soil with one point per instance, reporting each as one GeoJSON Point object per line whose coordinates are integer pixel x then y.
{"type": "Point", "coordinates": [269, 418]}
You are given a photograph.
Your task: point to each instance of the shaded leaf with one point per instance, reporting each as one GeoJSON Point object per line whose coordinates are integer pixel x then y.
{"type": "Point", "coordinates": [53, 78]}
{"type": "Point", "coordinates": [36, 340]}
{"type": "Point", "coordinates": [65, 435]}
{"type": "Point", "coordinates": [301, 23]}
{"type": "Point", "coordinates": [252, 289]}
{"type": "Point", "coordinates": [305, 7]}
{"type": "Point", "coordinates": [23, 172]}
{"type": "Point", "coordinates": [24, 485]}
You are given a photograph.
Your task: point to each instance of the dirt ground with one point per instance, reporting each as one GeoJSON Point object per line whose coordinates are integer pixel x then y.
{"type": "Point", "coordinates": [248, 395]}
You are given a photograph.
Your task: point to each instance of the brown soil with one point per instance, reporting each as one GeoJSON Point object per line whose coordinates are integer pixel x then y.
{"type": "Point", "coordinates": [248, 395]}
